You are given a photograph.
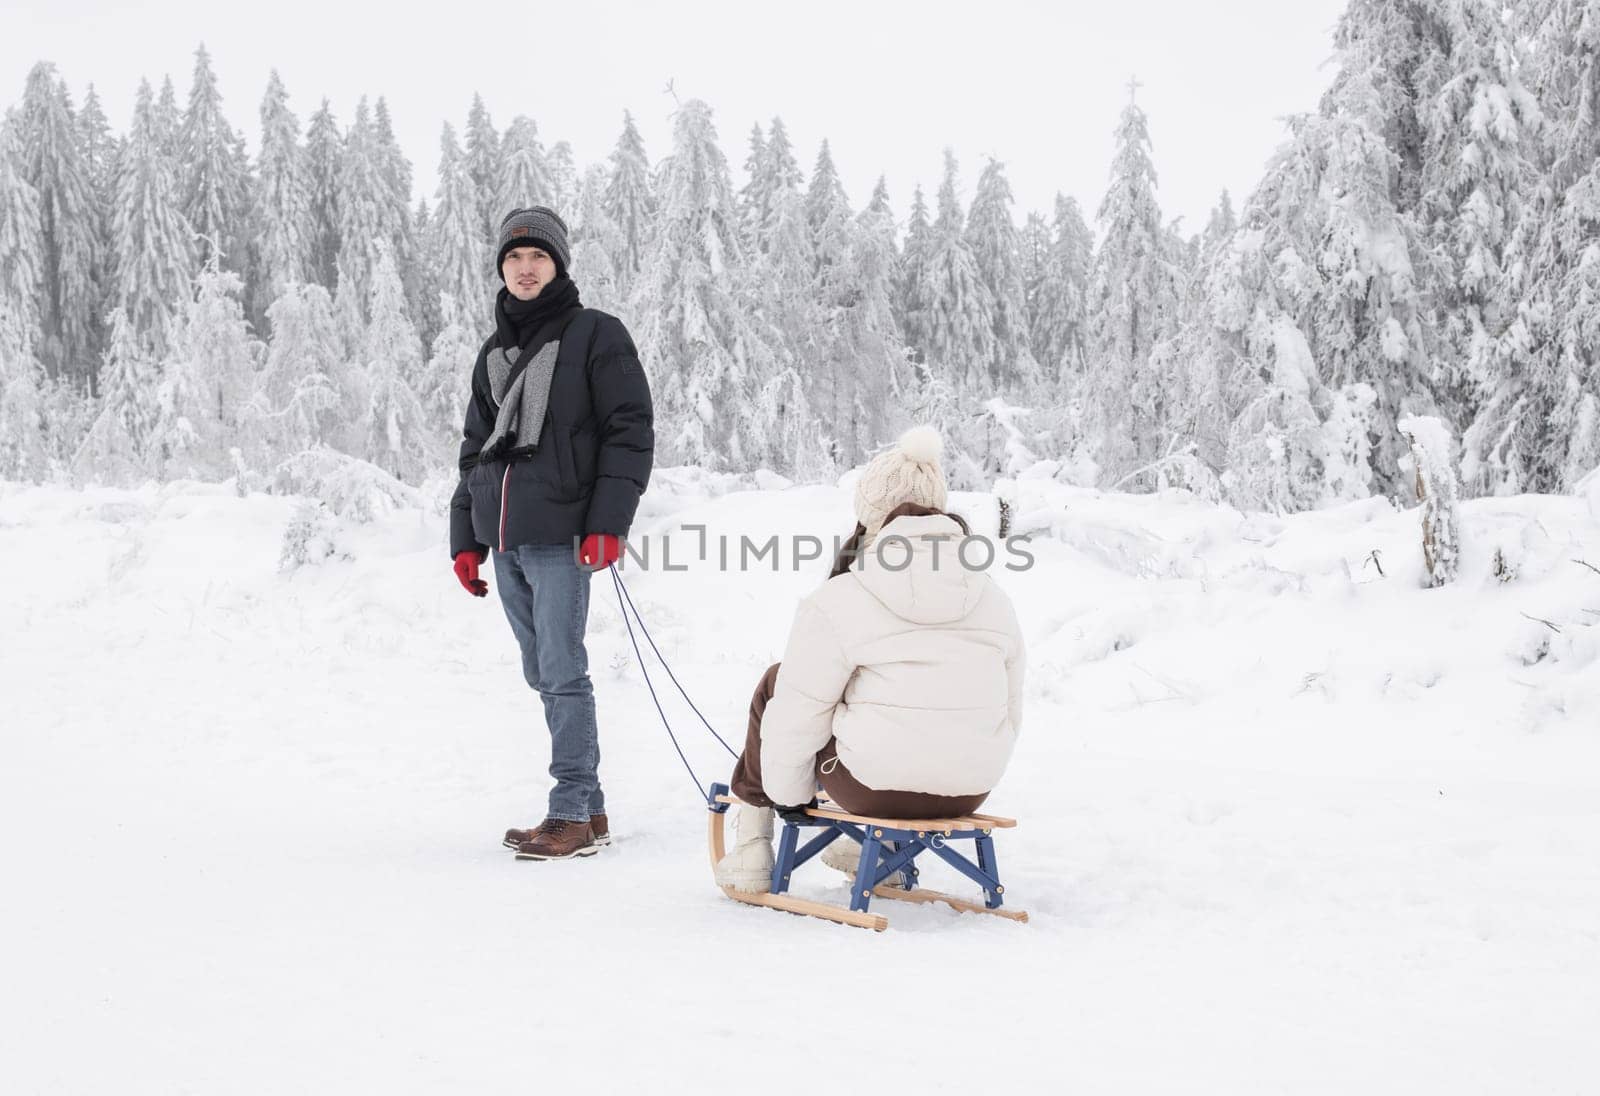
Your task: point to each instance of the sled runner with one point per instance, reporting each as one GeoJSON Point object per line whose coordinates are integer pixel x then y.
{"type": "Point", "coordinates": [887, 846]}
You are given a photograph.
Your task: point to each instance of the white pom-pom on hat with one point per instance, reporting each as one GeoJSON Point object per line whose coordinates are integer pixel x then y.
{"type": "Point", "coordinates": [922, 444]}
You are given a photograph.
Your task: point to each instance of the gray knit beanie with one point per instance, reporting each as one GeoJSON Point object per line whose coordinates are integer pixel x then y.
{"type": "Point", "coordinates": [910, 472]}
{"type": "Point", "coordinates": [536, 226]}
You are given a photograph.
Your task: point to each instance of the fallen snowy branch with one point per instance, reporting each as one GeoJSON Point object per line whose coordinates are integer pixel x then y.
{"type": "Point", "coordinates": [1545, 622]}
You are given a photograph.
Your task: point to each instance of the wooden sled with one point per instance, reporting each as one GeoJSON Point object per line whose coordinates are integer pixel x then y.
{"type": "Point", "coordinates": [888, 845]}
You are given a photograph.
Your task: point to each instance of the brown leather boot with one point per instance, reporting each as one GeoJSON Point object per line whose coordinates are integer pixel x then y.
{"type": "Point", "coordinates": [514, 838]}
{"type": "Point", "coordinates": [597, 823]}
{"type": "Point", "coordinates": [558, 839]}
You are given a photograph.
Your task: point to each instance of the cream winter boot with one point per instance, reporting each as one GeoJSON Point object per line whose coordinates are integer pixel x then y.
{"type": "Point", "coordinates": [748, 865]}
{"type": "Point", "coordinates": [845, 855]}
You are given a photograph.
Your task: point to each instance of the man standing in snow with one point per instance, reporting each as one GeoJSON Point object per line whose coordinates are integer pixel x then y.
{"type": "Point", "coordinates": [555, 453]}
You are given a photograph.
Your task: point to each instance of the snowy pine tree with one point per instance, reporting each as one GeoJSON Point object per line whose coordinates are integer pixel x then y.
{"type": "Point", "coordinates": [629, 201]}
{"type": "Point", "coordinates": [960, 305]}
{"type": "Point", "coordinates": [525, 174]}
{"type": "Point", "coordinates": [1557, 400]}
{"type": "Point", "coordinates": [119, 445]}
{"type": "Point", "coordinates": [460, 248]}
{"type": "Point", "coordinates": [21, 231]}
{"type": "Point", "coordinates": [393, 168]}
{"type": "Point", "coordinates": [210, 382]}
{"type": "Point", "coordinates": [1219, 226]}
{"type": "Point", "coordinates": [1393, 58]}
{"type": "Point", "coordinates": [214, 173]}
{"type": "Point", "coordinates": [101, 152]}
{"type": "Point", "coordinates": [563, 168]}
{"type": "Point", "coordinates": [1061, 316]}
{"type": "Point", "coordinates": [366, 213]}
{"type": "Point", "coordinates": [752, 199]}
{"type": "Point", "coordinates": [913, 300]}
{"type": "Point", "coordinates": [281, 212]}
{"type": "Point", "coordinates": [779, 288]}
{"type": "Point", "coordinates": [446, 377]}
{"type": "Point", "coordinates": [24, 443]}
{"type": "Point", "coordinates": [100, 147]}
{"type": "Point", "coordinates": [427, 315]}
{"type": "Point", "coordinates": [168, 119]}
{"type": "Point", "coordinates": [53, 165]}
{"type": "Point", "coordinates": [1481, 144]}
{"type": "Point", "coordinates": [997, 246]}
{"type": "Point", "coordinates": [1059, 333]}
{"type": "Point", "coordinates": [770, 198]}
{"type": "Point", "coordinates": [827, 208]}
{"type": "Point", "coordinates": [875, 349]}
{"type": "Point", "coordinates": [324, 170]}
{"type": "Point", "coordinates": [300, 381]}
{"type": "Point", "coordinates": [394, 427]}
{"type": "Point", "coordinates": [598, 246]}
{"type": "Point", "coordinates": [484, 168]}
{"type": "Point", "coordinates": [878, 203]}
{"type": "Point", "coordinates": [834, 369]}
{"type": "Point", "coordinates": [1132, 302]}
{"type": "Point", "coordinates": [785, 257]}
{"type": "Point", "coordinates": [153, 242]}
{"type": "Point", "coordinates": [1035, 239]}
{"type": "Point", "coordinates": [394, 175]}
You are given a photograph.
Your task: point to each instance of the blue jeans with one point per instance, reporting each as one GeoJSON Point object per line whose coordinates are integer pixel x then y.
{"type": "Point", "coordinates": [546, 598]}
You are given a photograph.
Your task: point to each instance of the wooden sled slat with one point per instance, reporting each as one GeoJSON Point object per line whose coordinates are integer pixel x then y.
{"type": "Point", "coordinates": [996, 821]}
{"type": "Point", "coordinates": [790, 904]}
{"type": "Point", "coordinates": [922, 895]}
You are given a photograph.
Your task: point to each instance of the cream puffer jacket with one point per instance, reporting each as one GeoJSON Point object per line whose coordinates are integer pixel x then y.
{"type": "Point", "coordinates": [917, 672]}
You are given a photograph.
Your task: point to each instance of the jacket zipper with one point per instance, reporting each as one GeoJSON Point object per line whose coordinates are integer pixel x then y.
{"type": "Point", "coordinates": [505, 484]}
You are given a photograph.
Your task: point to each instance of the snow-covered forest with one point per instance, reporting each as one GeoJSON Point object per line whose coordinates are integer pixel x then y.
{"type": "Point", "coordinates": [1426, 243]}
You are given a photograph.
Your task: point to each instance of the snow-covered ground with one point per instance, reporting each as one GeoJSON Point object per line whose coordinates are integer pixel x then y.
{"type": "Point", "coordinates": [1287, 825]}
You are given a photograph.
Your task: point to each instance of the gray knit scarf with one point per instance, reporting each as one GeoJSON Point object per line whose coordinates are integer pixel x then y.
{"type": "Point", "coordinates": [520, 404]}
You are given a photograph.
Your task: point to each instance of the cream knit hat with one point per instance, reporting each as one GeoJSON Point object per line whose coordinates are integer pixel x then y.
{"type": "Point", "coordinates": [910, 472]}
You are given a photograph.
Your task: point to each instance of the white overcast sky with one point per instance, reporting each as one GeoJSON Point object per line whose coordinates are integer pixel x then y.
{"type": "Point", "coordinates": [1036, 85]}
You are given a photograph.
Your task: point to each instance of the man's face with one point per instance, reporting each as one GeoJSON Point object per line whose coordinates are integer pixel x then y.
{"type": "Point", "coordinates": [527, 270]}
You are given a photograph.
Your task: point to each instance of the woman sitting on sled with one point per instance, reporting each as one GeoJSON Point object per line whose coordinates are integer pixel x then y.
{"type": "Point", "coordinates": [900, 689]}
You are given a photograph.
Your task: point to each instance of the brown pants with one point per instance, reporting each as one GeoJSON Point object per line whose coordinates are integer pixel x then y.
{"type": "Point", "coordinates": [836, 780]}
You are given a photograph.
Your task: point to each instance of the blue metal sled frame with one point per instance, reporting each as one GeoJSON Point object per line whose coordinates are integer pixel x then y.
{"type": "Point", "coordinates": [886, 848]}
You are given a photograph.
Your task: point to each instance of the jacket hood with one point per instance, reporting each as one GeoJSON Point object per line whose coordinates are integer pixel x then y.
{"type": "Point", "coordinates": [929, 587]}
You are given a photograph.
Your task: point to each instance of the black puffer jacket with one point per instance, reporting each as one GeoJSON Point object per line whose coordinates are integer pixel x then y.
{"type": "Point", "coordinates": [594, 454]}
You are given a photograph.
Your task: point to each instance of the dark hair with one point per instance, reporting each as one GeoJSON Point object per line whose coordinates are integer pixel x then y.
{"type": "Point", "coordinates": [850, 550]}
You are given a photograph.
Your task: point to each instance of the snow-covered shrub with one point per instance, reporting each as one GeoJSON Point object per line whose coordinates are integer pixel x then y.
{"type": "Point", "coordinates": [1436, 491]}
{"type": "Point", "coordinates": [1504, 568]}
{"type": "Point", "coordinates": [1347, 445]}
{"type": "Point", "coordinates": [353, 489]}
{"type": "Point", "coordinates": [310, 537]}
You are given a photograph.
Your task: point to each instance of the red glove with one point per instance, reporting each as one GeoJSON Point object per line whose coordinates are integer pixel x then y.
{"type": "Point", "coordinates": [600, 550]}
{"type": "Point", "coordinates": [467, 571]}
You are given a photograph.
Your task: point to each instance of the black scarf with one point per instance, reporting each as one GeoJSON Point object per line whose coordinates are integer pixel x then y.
{"type": "Point", "coordinates": [516, 322]}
